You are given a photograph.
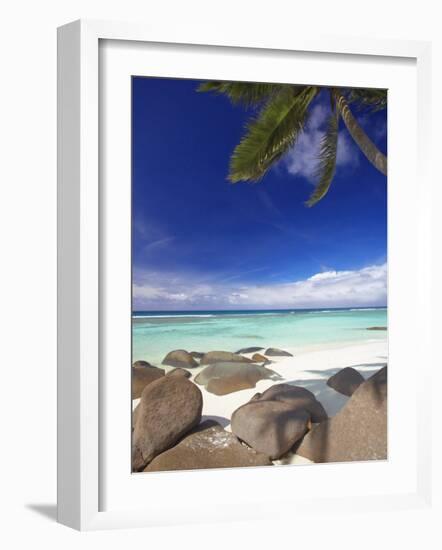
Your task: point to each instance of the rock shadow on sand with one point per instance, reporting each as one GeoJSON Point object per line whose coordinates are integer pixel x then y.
{"type": "Point", "coordinates": [220, 419]}
{"type": "Point", "coordinates": [331, 400]}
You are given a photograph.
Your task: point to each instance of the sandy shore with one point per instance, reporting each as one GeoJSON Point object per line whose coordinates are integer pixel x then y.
{"type": "Point", "coordinates": [309, 368]}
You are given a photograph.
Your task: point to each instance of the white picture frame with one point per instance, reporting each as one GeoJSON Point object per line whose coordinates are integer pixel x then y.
{"type": "Point", "coordinates": [81, 293]}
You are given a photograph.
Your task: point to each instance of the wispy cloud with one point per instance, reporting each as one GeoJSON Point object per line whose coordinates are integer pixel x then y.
{"type": "Point", "coordinates": [151, 236]}
{"type": "Point", "coordinates": [158, 244]}
{"type": "Point", "coordinates": [302, 160]}
{"type": "Point", "coordinates": [376, 128]}
{"type": "Point", "coordinates": [241, 274]}
{"type": "Point", "coordinates": [362, 287]}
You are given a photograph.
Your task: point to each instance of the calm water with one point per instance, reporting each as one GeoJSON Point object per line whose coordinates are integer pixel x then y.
{"type": "Point", "coordinates": [154, 334]}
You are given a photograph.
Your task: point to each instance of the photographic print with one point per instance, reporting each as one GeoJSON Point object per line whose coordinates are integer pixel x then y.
{"type": "Point", "coordinates": [259, 274]}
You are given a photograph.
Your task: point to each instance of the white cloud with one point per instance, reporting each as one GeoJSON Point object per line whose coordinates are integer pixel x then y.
{"type": "Point", "coordinates": [302, 160]}
{"type": "Point", "coordinates": [347, 154]}
{"type": "Point", "coordinates": [363, 287]}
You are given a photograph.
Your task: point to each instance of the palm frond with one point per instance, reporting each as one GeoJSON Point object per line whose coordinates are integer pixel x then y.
{"type": "Point", "coordinates": [327, 160]}
{"type": "Point", "coordinates": [249, 94]}
{"type": "Point", "coordinates": [370, 98]}
{"type": "Point", "coordinates": [271, 133]}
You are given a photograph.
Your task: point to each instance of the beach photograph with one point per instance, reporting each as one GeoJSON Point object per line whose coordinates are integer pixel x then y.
{"type": "Point", "coordinates": [259, 274]}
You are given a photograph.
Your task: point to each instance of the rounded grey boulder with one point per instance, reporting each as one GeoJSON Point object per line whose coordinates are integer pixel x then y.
{"type": "Point", "coordinates": [224, 378]}
{"type": "Point", "coordinates": [346, 381]}
{"type": "Point", "coordinates": [143, 376]}
{"type": "Point", "coordinates": [141, 363]}
{"type": "Point", "coordinates": [180, 358]}
{"type": "Point", "coordinates": [169, 408]}
{"type": "Point", "coordinates": [179, 372]}
{"type": "Point", "coordinates": [270, 427]}
{"type": "Point", "coordinates": [275, 352]}
{"type": "Point", "coordinates": [222, 357]}
{"type": "Point", "coordinates": [297, 397]}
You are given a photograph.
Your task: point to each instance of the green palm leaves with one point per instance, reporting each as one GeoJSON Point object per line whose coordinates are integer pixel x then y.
{"type": "Point", "coordinates": [271, 133]}
{"type": "Point", "coordinates": [249, 94]}
{"type": "Point", "coordinates": [327, 160]}
{"type": "Point", "coordinates": [280, 114]}
{"type": "Point", "coordinates": [374, 100]}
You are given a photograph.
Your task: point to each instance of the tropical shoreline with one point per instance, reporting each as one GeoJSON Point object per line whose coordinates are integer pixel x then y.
{"type": "Point", "coordinates": [155, 335]}
{"type": "Point", "coordinates": [305, 368]}
{"type": "Point", "coordinates": [326, 359]}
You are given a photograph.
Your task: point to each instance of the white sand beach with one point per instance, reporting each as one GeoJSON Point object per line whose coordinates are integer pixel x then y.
{"type": "Point", "coordinates": [309, 368]}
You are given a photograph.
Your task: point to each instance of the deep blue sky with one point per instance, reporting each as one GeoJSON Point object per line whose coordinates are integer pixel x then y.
{"type": "Point", "coordinates": [200, 242]}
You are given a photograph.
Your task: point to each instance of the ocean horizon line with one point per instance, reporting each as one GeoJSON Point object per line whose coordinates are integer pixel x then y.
{"type": "Point", "coordinates": [211, 312]}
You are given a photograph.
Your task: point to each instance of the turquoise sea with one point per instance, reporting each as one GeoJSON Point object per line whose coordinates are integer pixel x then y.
{"type": "Point", "coordinates": [155, 333]}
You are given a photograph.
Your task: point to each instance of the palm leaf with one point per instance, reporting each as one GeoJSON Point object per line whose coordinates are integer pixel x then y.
{"type": "Point", "coordinates": [249, 94]}
{"type": "Point", "coordinates": [271, 133]}
{"type": "Point", "coordinates": [327, 160]}
{"type": "Point", "coordinates": [370, 98]}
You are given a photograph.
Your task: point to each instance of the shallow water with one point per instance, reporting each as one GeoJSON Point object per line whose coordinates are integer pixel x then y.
{"type": "Point", "coordinates": [154, 334]}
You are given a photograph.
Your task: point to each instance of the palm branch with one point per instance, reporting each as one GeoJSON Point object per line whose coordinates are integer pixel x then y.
{"type": "Point", "coordinates": [281, 112]}
{"type": "Point", "coordinates": [271, 133]}
{"type": "Point", "coordinates": [372, 99]}
{"type": "Point", "coordinates": [249, 94]}
{"type": "Point", "coordinates": [327, 160]}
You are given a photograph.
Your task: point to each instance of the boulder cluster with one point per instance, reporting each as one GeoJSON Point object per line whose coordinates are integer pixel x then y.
{"type": "Point", "coordinates": [357, 432]}
{"type": "Point", "coordinates": [169, 434]}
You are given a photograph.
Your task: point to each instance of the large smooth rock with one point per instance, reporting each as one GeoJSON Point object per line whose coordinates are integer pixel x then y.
{"type": "Point", "coordinates": [224, 386]}
{"type": "Point", "coordinates": [270, 427]}
{"type": "Point", "coordinates": [346, 381]}
{"type": "Point", "coordinates": [224, 378]}
{"type": "Point", "coordinates": [207, 446]}
{"type": "Point", "coordinates": [169, 408]}
{"type": "Point", "coordinates": [357, 432]}
{"type": "Point", "coordinates": [180, 358]}
{"type": "Point", "coordinates": [213, 357]}
{"type": "Point", "coordinates": [297, 397]}
{"type": "Point", "coordinates": [179, 372]}
{"type": "Point", "coordinates": [141, 363]}
{"type": "Point", "coordinates": [143, 376]}
{"type": "Point", "coordinates": [275, 352]}
{"type": "Point", "coordinates": [252, 349]}
{"type": "Point", "coordinates": [135, 415]}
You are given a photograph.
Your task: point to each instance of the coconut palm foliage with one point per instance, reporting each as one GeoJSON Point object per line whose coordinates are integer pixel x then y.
{"type": "Point", "coordinates": [279, 115]}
